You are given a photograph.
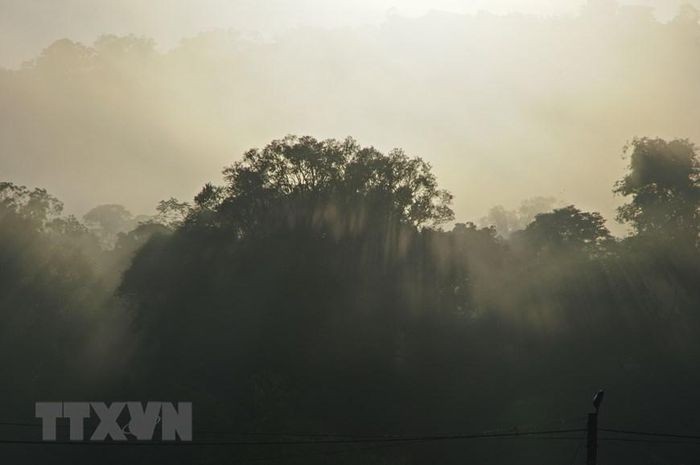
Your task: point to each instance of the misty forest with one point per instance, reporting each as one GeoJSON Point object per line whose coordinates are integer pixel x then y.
{"type": "Point", "coordinates": [323, 287]}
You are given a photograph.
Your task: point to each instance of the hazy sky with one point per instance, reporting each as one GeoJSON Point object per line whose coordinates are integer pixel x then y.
{"type": "Point", "coordinates": [27, 26]}
{"type": "Point", "coordinates": [505, 108]}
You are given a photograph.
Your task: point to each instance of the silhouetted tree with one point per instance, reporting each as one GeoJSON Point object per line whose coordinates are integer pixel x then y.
{"type": "Point", "coordinates": [566, 228]}
{"type": "Point", "coordinates": [301, 179]}
{"type": "Point", "coordinates": [107, 221]}
{"type": "Point", "coordinates": [663, 183]}
{"type": "Point", "coordinates": [310, 293]}
{"type": "Point", "coordinates": [172, 212]}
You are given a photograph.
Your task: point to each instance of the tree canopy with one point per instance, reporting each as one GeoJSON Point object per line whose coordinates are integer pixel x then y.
{"type": "Point", "coordinates": [302, 179]}
{"type": "Point", "coordinates": [664, 185]}
{"type": "Point", "coordinates": [321, 288]}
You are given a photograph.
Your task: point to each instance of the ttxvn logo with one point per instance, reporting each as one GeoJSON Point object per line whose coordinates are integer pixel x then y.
{"type": "Point", "coordinates": [113, 422]}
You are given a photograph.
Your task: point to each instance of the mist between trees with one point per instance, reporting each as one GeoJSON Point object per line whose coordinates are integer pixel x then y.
{"type": "Point", "coordinates": [532, 105]}
{"type": "Point", "coordinates": [315, 290]}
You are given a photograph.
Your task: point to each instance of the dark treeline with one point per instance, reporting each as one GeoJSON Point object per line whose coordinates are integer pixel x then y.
{"type": "Point", "coordinates": [315, 291]}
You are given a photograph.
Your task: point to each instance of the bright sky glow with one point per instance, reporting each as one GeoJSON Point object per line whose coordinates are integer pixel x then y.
{"type": "Point", "coordinates": [26, 27]}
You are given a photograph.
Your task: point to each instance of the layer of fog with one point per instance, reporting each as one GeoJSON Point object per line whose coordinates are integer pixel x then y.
{"type": "Point", "coordinates": [505, 107]}
{"type": "Point", "coordinates": [26, 27]}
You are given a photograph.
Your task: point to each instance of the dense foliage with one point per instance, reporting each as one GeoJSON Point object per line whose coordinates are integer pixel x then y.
{"type": "Point", "coordinates": [314, 291]}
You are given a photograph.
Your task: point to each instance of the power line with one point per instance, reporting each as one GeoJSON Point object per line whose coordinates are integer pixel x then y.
{"type": "Point", "coordinates": [231, 433]}
{"type": "Point", "coordinates": [321, 452]}
{"type": "Point", "coordinates": [506, 430]}
{"type": "Point", "coordinates": [10, 423]}
{"type": "Point", "coordinates": [372, 440]}
{"type": "Point", "coordinates": [646, 433]}
{"type": "Point", "coordinates": [651, 441]}
{"type": "Point", "coordinates": [365, 440]}
{"type": "Point", "coordinates": [339, 439]}
{"type": "Point", "coordinates": [373, 447]}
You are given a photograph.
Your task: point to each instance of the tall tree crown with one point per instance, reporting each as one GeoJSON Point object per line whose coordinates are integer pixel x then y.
{"type": "Point", "coordinates": [663, 185]}
{"type": "Point", "coordinates": [337, 172]}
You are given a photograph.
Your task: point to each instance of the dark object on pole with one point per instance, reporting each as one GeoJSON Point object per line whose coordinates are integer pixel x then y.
{"type": "Point", "coordinates": [592, 430]}
{"type": "Point", "coordinates": [598, 399]}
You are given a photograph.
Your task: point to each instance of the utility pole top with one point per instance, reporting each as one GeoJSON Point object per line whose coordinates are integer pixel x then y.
{"type": "Point", "coordinates": [592, 430]}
